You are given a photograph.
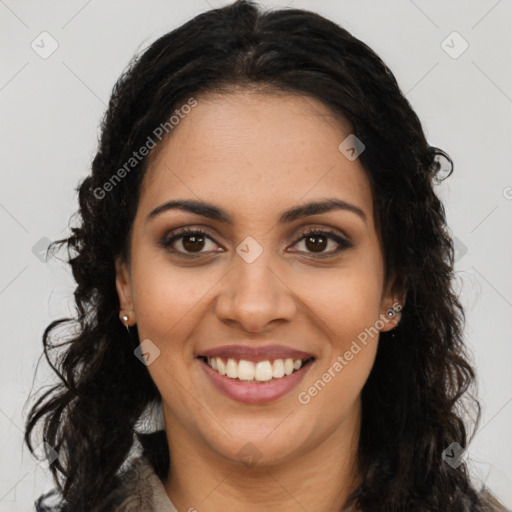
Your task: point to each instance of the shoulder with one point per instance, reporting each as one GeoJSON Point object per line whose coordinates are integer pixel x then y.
{"type": "Point", "coordinates": [140, 490]}
{"type": "Point", "coordinates": [491, 502]}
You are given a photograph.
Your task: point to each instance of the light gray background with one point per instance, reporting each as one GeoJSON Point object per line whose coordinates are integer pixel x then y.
{"type": "Point", "coordinates": [51, 109]}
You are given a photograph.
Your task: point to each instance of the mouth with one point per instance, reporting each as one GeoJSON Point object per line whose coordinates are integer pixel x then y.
{"type": "Point", "coordinates": [255, 375]}
{"type": "Point", "coordinates": [265, 371]}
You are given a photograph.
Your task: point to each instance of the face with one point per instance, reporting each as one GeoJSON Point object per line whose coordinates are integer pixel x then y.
{"type": "Point", "coordinates": [260, 280]}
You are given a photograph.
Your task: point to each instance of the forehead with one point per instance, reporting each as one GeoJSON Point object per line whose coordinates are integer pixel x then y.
{"type": "Point", "coordinates": [256, 151]}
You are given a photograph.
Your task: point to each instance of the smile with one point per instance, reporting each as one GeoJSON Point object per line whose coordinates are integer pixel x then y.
{"type": "Point", "coordinates": [254, 376]}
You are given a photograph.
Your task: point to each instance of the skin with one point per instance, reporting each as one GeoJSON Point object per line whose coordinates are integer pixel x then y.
{"type": "Point", "coordinates": [254, 155]}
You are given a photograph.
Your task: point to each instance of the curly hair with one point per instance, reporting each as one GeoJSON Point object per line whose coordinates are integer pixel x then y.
{"type": "Point", "coordinates": [414, 400]}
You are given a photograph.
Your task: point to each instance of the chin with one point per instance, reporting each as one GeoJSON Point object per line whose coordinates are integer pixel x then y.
{"type": "Point", "coordinates": [260, 447]}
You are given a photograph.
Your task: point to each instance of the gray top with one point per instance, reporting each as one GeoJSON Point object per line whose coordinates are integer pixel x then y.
{"type": "Point", "coordinates": [143, 491]}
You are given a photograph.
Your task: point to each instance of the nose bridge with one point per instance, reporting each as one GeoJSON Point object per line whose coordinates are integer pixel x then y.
{"type": "Point", "coordinates": [253, 294]}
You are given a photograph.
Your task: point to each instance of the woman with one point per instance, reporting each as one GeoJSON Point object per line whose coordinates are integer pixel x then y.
{"type": "Point", "coordinates": [263, 262]}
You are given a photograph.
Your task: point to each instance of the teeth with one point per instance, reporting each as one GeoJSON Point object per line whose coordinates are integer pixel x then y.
{"type": "Point", "coordinates": [262, 371]}
{"type": "Point", "coordinates": [246, 370]}
{"type": "Point", "coordinates": [220, 365]}
{"type": "Point", "coordinates": [232, 369]}
{"type": "Point", "coordinates": [288, 366]}
{"type": "Point", "coordinates": [278, 369]}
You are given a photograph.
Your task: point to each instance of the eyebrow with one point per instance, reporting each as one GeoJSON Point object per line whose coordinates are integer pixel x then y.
{"type": "Point", "coordinates": [287, 216]}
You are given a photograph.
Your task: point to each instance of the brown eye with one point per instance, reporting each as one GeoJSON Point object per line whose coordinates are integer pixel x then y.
{"type": "Point", "coordinates": [316, 243]}
{"type": "Point", "coordinates": [193, 243]}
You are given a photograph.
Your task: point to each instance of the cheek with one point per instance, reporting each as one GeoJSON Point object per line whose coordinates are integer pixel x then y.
{"type": "Point", "coordinates": [347, 383]}
{"type": "Point", "coordinates": [168, 299]}
{"type": "Point", "coordinates": [347, 301]}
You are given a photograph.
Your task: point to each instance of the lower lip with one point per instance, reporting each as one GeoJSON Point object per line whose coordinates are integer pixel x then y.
{"type": "Point", "coordinates": [255, 392]}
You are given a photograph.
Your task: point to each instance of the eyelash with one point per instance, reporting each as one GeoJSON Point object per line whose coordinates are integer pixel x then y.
{"type": "Point", "coordinates": [167, 241]}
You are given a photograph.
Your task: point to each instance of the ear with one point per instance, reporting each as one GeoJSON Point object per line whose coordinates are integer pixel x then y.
{"type": "Point", "coordinates": [392, 303]}
{"type": "Point", "coordinates": [123, 285]}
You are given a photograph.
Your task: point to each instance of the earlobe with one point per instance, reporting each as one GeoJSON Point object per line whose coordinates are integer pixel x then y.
{"type": "Point", "coordinates": [392, 305]}
{"type": "Point", "coordinates": [123, 285]}
{"type": "Point", "coordinates": [124, 294]}
{"type": "Point", "coordinates": [392, 316]}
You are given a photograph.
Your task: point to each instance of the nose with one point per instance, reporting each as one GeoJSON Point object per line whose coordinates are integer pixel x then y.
{"type": "Point", "coordinates": [253, 295]}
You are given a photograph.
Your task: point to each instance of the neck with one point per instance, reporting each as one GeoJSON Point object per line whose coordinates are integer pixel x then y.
{"type": "Point", "coordinates": [319, 479]}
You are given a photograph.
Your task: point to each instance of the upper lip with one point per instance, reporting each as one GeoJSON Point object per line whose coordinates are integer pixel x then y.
{"type": "Point", "coordinates": [252, 353]}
